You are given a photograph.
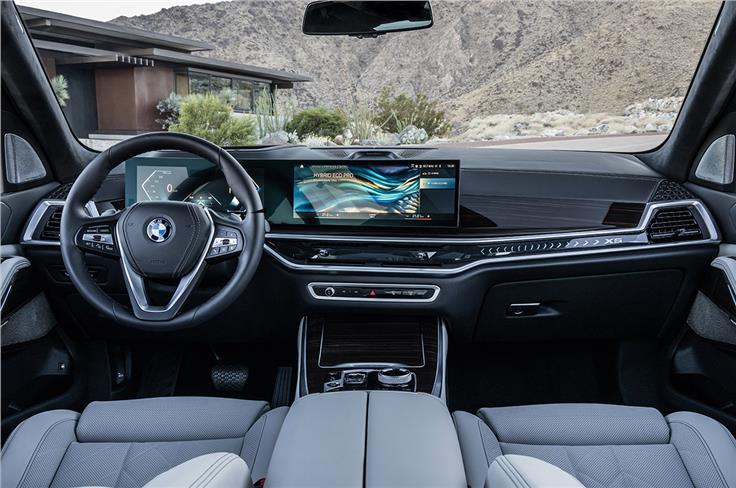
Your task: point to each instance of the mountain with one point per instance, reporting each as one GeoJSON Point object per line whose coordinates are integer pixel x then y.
{"type": "Point", "coordinates": [481, 57]}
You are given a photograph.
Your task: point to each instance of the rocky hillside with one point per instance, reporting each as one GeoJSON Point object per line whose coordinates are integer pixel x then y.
{"type": "Point", "coordinates": [482, 57]}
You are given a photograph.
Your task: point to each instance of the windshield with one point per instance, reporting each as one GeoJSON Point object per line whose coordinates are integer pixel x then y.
{"type": "Point", "coordinates": [546, 74]}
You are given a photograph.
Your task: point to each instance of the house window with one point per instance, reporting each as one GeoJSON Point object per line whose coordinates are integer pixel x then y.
{"type": "Point", "coordinates": [241, 94]}
{"type": "Point", "coordinates": [199, 83]}
{"type": "Point", "coordinates": [219, 83]}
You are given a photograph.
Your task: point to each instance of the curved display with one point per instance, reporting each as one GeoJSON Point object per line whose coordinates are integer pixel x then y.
{"type": "Point", "coordinates": [307, 192]}
{"type": "Point", "coordinates": [376, 193]}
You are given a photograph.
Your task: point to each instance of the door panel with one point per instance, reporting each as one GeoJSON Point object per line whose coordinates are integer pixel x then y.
{"type": "Point", "coordinates": [38, 367]}
{"type": "Point", "coordinates": [701, 366]}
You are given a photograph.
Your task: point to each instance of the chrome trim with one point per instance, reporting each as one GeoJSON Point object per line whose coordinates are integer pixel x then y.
{"type": "Point", "coordinates": [440, 388]}
{"type": "Point", "coordinates": [310, 287]}
{"type": "Point", "coordinates": [137, 290]}
{"type": "Point", "coordinates": [35, 219]}
{"type": "Point", "coordinates": [705, 217]}
{"type": "Point", "coordinates": [404, 379]}
{"type": "Point", "coordinates": [302, 387]}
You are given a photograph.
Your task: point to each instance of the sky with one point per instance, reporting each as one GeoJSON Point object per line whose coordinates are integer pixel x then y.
{"type": "Point", "coordinates": [104, 10]}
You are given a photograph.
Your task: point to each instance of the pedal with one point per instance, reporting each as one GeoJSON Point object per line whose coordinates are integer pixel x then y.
{"type": "Point", "coordinates": [230, 377]}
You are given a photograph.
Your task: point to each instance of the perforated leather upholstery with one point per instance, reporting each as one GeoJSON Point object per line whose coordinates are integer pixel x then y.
{"type": "Point", "coordinates": [129, 443]}
{"type": "Point", "coordinates": [603, 446]}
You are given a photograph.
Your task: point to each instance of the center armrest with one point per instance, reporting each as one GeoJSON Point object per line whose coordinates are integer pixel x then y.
{"type": "Point", "coordinates": [367, 439]}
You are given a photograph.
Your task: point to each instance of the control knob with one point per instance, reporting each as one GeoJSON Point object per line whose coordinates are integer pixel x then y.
{"type": "Point", "coordinates": [393, 377]}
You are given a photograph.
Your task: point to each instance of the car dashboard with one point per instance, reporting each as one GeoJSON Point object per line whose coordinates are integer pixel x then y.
{"type": "Point", "coordinates": [500, 243]}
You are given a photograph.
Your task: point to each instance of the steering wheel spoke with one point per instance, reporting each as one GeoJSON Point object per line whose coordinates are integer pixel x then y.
{"type": "Point", "coordinates": [96, 235]}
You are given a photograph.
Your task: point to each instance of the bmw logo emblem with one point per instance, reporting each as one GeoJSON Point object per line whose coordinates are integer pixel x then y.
{"type": "Point", "coordinates": [159, 229]}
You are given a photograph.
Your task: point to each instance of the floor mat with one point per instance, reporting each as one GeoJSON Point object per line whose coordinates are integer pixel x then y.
{"type": "Point", "coordinates": [504, 374]}
{"type": "Point", "coordinates": [263, 363]}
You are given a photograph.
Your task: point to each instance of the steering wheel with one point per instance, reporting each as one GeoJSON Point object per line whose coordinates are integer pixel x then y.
{"type": "Point", "coordinates": [162, 241]}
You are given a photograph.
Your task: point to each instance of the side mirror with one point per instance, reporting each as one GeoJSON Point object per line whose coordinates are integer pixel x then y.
{"type": "Point", "coordinates": [365, 19]}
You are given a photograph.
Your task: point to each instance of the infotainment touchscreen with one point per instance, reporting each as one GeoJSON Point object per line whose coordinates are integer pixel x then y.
{"type": "Point", "coordinates": [393, 193]}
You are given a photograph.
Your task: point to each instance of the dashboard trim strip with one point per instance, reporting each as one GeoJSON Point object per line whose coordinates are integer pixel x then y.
{"type": "Point", "coordinates": [481, 262]}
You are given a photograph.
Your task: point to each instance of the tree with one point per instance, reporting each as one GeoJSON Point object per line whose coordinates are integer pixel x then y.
{"type": "Point", "coordinates": [209, 117]}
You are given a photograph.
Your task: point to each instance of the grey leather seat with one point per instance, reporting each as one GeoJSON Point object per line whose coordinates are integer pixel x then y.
{"type": "Point", "coordinates": [602, 445]}
{"type": "Point", "coordinates": [129, 443]}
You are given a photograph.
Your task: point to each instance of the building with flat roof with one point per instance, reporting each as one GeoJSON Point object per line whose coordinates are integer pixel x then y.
{"type": "Point", "coordinates": [116, 74]}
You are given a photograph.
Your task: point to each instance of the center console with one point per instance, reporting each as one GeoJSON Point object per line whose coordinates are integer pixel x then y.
{"type": "Point", "coordinates": [367, 439]}
{"type": "Point", "coordinates": [339, 353]}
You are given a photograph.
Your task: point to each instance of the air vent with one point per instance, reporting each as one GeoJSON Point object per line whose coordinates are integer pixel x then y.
{"type": "Point", "coordinates": [60, 192]}
{"type": "Point", "coordinates": [52, 227]}
{"type": "Point", "coordinates": [413, 153]}
{"type": "Point", "coordinates": [674, 224]}
{"type": "Point", "coordinates": [335, 153]}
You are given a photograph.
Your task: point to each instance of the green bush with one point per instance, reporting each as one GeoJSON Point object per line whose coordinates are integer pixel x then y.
{"type": "Point", "coordinates": [209, 117]}
{"type": "Point", "coordinates": [168, 110]}
{"type": "Point", "coordinates": [395, 113]}
{"type": "Point", "coordinates": [61, 89]}
{"type": "Point", "coordinates": [319, 121]}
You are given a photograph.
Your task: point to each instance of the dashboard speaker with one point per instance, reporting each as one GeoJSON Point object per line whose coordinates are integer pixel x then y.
{"type": "Point", "coordinates": [22, 164]}
{"type": "Point", "coordinates": [717, 164]}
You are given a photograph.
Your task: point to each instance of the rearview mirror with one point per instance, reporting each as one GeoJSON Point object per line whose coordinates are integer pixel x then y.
{"type": "Point", "coordinates": [365, 19]}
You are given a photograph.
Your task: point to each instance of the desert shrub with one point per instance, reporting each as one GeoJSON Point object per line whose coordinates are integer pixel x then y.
{"type": "Point", "coordinates": [209, 117]}
{"type": "Point", "coordinates": [361, 124]}
{"type": "Point", "coordinates": [395, 113]}
{"type": "Point", "coordinates": [61, 89]}
{"type": "Point", "coordinates": [318, 121]}
{"type": "Point", "coordinates": [168, 110]}
{"type": "Point", "coordinates": [272, 114]}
